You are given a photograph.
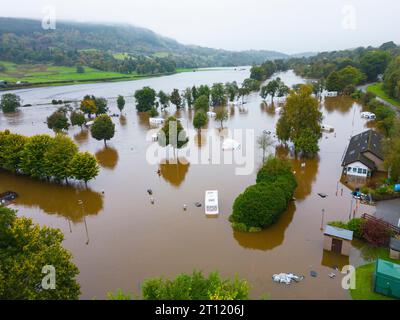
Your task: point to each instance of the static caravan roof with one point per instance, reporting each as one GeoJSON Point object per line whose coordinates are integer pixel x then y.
{"type": "Point", "coordinates": [338, 233]}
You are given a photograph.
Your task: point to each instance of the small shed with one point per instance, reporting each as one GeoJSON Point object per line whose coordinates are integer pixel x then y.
{"type": "Point", "coordinates": [338, 240]}
{"type": "Point", "coordinates": [387, 278]}
{"type": "Point", "coordinates": [394, 249]}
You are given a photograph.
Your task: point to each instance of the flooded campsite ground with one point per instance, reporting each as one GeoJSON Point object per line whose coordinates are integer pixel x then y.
{"type": "Point", "coordinates": [118, 238]}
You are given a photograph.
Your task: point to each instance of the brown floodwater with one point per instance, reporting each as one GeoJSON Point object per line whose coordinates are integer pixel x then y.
{"type": "Point", "coordinates": [118, 237]}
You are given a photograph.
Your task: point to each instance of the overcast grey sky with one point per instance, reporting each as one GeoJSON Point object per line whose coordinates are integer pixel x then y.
{"type": "Point", "coordinates": [284, 25]}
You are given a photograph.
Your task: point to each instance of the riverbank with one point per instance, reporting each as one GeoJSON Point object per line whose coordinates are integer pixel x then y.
{"type": "Point", "coordinates": [32, 76]}
{"type": "Point", "coordinates": [377, 88]}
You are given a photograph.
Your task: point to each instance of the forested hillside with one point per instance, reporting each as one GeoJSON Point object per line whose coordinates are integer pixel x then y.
{"type": "Point", "coordinates": [117, 48]}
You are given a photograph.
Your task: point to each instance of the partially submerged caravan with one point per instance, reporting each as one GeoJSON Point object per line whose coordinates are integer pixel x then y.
{"type": "Point", "coordinates": [327, 128]}
{"type": "Point", "coordinates": [156, 121]}
{"type": "Point", "coordinates": [211, 202]}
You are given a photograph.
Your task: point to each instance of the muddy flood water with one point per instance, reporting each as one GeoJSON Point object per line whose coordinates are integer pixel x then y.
{"type": "Point", "coordinates": [119, 238]}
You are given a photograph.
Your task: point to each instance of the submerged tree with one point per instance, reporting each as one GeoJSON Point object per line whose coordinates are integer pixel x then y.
{"type": "Point", "coordinates": [10, 102]}
{"type": "Point", "coordinates": [301, 121]}
{"type": "Point", "coordinates": [84, 166]}
{"type": "Point", "coordinates": [103, 128]}
{"type": "Point", "coordinates": [120, 103]}
{"type": "Point", "coordinates": [222, 116]}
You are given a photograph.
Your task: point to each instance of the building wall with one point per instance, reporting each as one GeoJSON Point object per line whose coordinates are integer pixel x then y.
{"type": "Point", "coordinates": [378, 162]}
{"type": "Point", "coordinates": [346, 245]}
{"type": "Point", "coordinates": [357, 165]}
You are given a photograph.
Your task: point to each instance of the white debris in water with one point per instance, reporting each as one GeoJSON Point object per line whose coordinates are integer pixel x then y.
{"type": "Point", "coordinates": [286, 278]}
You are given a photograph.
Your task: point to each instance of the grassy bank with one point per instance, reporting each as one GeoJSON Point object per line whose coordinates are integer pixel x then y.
{"type": "Point", "coordinates": [50, 75]}
{"type": "Point", "coordinates": [364, 277]}
{"type": "Point", "coordinates": [377, 88]}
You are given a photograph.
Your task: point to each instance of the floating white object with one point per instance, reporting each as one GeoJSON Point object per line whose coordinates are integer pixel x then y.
{"type": "Point", "coordinates": [211, 202]}
{"type": "Point", "coordinates": [89, 123]}
{"type": "Point", "coordinates": [287, 278]}
{"type": "Point", "coordinates": [156, 121]}
{"type": "Point", "coordinates": [327, 127]}
{"type": "Point", "coordinates": [211, 114]}
{"type": "Point", "coordinates": [230, 144]}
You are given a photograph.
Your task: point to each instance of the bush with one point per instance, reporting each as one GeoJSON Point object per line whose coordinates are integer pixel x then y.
{"type": "Point", "coordinates": [375, 233]}
{"type": "Point", "coordinates": [355, 225]}
{"type": "Point", "coordinates": [259, 206]}
{"type": "Point", "coordinates": [195, 287]}
{"type": "Point", "coordinates": [274, 168]}
{"type": "Point", "coordinates": [338, 224]}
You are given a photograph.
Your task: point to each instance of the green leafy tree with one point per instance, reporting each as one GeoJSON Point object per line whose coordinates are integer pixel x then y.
{"type": "Point", "coordinates": [58, 121]}
{"type": "Point", "coordinates": [392, 158]}
{"type": "Point", "coordinates": [271, 89]}
{"type": "Point", "coordinates": [25, 248]}
{"type": "Point", "coordinates": [77, 118]}
{"type": "Point", "coordinates": [84, 166]}
{"type": "Point", "coordinates": [202, 103]}
{"type": "Point", "coordinates": [258, 207]}
{"type": "Point", "coordinates": [10, 102]}
{"type": "Point", "coordinates": [103, 128]}
{"type": "Point", "coordinates": [231, 90]}
{"type": "Point", "coordinates": [307, 142]}
{"type": "Point", "coordinates": [164, 99]}
{"type": "Point", "coordinates": [204, 90]}
{"type": "Point", "coordinates": [188, 97]}
{"type": "Point", "coordinates": [88, 106]}
{"type": "Point", "coordinates": [58, 157]}
{"type": "Point", "coordinates": [221, 116]}
{"type": "Point", "coordinates": [32, 156]}
{"type": "Point", "coordinates": [101, 105]}
{"type": "Point", "coordinates": [300, 117]}
{"type": "Point", "coordinates": [339, 80]}
{"type": "Point", "coordinates": [145, 99]}
{"type": "Point", "coordinates": [374, 63]}
{"type": "Point", "coordinates": [200, 120]}
{"type": "Point", "coordinates": [120, 103]}
{"type": "Point", "coordinates": [176, 98]}
{"type": "Point", "coordinates": [173, 133]}
{"type": "Point", "coordinates": [218, 94]}
{"type": "Point", "coordinates": [11, 148]}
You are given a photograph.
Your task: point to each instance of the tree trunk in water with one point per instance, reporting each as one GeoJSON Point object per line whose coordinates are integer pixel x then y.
{"type": "Point", "coordinates": [105, 143]}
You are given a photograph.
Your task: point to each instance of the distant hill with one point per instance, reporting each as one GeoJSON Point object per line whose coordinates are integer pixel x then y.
{"type": "Point", "coordinates": [102, 46]}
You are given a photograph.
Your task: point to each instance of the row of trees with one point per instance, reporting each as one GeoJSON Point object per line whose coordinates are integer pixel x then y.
{"type": "Point", "coordinates": [274, 88]}
{"type": "Point", "coordinates": [267, 69]}
{"type": "Point", "coordinates": [201, 97]}
{"type": "Point", "coordinates": [45, 157]}
{"type": "Point", "coordinates": [262, 204]}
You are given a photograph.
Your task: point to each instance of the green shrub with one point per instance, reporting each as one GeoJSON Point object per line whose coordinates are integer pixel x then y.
{"type": "Point", "coordinates": [355, 225]}
{"type": "Point", "coordinates": [241, 227]}
{"type": "Point", "coordinates": [274, 168]}
{"type": "Point", "coordinates": [259, 206]}
{"type": "Point", "coordinates": [254, 230]}
{"type": "Point", "coordinates": [338, 224]}
{"type": "Point", "coordinates": [195, 287]}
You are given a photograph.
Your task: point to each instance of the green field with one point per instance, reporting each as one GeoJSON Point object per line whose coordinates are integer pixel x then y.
{"type": "Point", "coordinates": [377, 88]}
{"type": "Point", "coordinates": [43, 73]}
{"type": "Point", "coordinates": [364, 277]}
